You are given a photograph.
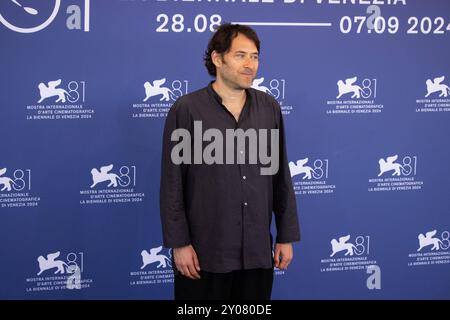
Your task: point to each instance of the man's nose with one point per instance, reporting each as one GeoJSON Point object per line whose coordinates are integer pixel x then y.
{"type": "Point", "coordinates": [249, 62]}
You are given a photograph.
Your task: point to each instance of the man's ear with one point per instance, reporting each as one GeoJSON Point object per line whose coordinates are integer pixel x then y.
{"type": "Point", "coordinates": [216, 58]}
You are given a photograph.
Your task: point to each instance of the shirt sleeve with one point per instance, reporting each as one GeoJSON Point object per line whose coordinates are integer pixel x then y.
{"type": "Point", "coordinates": [172, 206]}
{"type": "Point", "coordinates": [284, 201]}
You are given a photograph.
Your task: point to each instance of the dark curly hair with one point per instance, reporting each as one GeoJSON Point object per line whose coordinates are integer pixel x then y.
{"type": "Point", "coordinates": [221, 42]}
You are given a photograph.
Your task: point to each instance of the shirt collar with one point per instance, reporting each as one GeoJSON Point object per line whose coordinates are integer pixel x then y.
{"type": "Point", "coordinates": [216, 96]}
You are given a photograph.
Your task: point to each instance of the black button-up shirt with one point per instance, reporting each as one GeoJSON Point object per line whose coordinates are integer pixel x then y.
{"type": "Point", "coordinates": [225, 210]}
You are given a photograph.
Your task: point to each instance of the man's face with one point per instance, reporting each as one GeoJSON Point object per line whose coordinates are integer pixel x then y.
{"type": "Point", "coordinates": [237, 68]}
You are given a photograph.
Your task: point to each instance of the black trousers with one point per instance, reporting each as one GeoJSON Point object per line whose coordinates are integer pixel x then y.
{"type": "Point", "coordinates": [254, 284]}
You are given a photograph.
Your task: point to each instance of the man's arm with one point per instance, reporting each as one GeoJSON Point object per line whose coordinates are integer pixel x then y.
{"type": "Point", "coordinates": [172, 209]}
{"type": "Point", "coordinates": [284, 202]}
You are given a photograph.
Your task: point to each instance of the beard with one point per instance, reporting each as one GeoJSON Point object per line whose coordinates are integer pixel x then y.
{"type": "Point", "coordinates": [237, 79]}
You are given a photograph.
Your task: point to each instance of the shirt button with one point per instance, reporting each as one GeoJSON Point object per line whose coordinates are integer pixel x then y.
{"type": "Point", "coordinates": [245, 203]}
{"type": "Point", "coordinates": [244, 177]}
{"type": "Point", "coordinates": [242, 152]}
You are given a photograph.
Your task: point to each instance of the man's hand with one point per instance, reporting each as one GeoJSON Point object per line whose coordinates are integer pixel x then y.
{"type": "Point", "coordinates": [186, 261]}
{"type": "Point", "coordinates": [283, 255]}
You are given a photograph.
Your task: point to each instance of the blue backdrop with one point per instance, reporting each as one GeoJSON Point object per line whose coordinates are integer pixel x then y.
{"type": "Point", "coordinates": [364, 89]}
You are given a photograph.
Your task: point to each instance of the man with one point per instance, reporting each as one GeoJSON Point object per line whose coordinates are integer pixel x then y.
{"type": "Point", "coordinates": [215, 215]}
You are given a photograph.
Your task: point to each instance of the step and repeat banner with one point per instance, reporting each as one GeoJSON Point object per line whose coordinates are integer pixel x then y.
{"type": "Point", "coordinates": [86, 85]}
